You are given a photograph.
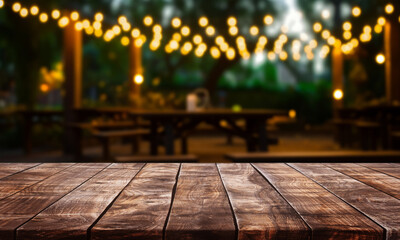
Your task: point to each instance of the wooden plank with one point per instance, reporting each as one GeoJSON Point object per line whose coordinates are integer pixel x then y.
{"type": "Point", "coordinates": [328, 216]}
{"type": "Point", "coordinates": [387, 168]}
{"type": "Point", "coordinates": [367, 200]}
{"type": "Point", "coordinates": [378, 180]}
{"type": "Point", "coordinates": [140, 212]}
{"type": "Point", "coordinates": [71, 216]}
{"type": "Point", "coordinates": [21, 207]}
{"type": "Point", "coordinates": [201, 207]}
{"type": "Point", "coordinates": [261, 213]}
{"type": "Point", "coordinates": [19, 181]}
{"type": "Point", "coordinates": [7, 169]}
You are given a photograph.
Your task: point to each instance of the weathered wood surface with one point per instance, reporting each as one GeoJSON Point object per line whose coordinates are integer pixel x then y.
{"type": "Point", "coordinates": [21, 207]}
{"type": "Point", "coordinates": [378, 180]}
{"type": "Point", "coordinates": [361, 196]}
{"type": "Point", "coordinates": [7, 169]}
{"type": "Point", "coordinates": [261, 213]}
{"type": "Point", "coordinates": [328, 216]}
{"type": "Point", "coordinates": [14, 183]}
{"type": "Point", "coordinates": [199, 201]}
{"type": "Point", "coordinates": [201, 208]}
{"type": "Point", "coordinates": [387, 168]}
{"type": "Point", "coordinates": [71, 216]}
{"type": "Point", "coordinates": [140, 212]}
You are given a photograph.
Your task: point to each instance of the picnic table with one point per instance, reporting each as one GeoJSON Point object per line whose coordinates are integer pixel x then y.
{"type": "Point", "coordinates": [199, 201]}
{"type": "Point", "coordinates": [178, 123]}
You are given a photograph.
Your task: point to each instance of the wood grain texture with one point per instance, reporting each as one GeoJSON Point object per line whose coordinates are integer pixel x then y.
{"type": "Point", "coordinates": [71, 216]}
{"type": "Point", "coordinates": [140, 212]}
{"type": "Point", "coordinates": [19, 181]}
{"type": "Point", "coordinates": [21, 207]}
{"type": "Point", "coordinates": [361, 196]}
{"type": "Point", "coordinates": [261, 213]}
{"type": "Point", "coordinates": [387, 168]}
{"type": "Point", "coordinates": [378, 180]}
{"type": "Point", "coordinates": [201, 207]}
{"type": "Point", "coordinates": [7, 169]}
{"type": "Point", "coordinates": [328, 216]}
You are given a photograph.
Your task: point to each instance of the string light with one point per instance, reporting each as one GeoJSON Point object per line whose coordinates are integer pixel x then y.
{"type": "Point", "coordinates": [63, 22]}
{"type": "Point", "coordinates": [185, 31]}
{"type": "Point", "coordinates": [135, 33]}
{"type": "Point", "coordinates": [356, 11]}
{"type": "Point", "coordinates": [210, 31]}
{"type": "Point", "coordinates": [381, 21]}
{"type": "Point", "coordinates": [43, 17]}
{"type": "Point", "coordinates": [99, 17]}
{"type": "Point", "coordinates": [203, 21]}
{"type": "Point", "coordinates": [215, 53]}
{"type": "Point", "coordinates": [380, 58]}
{"type": "Point", "coordinates": [232, 21]}
{"type": "Point", "coordinates": [125, 41]}
{"type": "Point", "coordinates": [197, 39]}
{"type": "Point", "coordinates": [23, 12]}
{"type": "Point", "coordinates": [78, 26]}
{"type": "Point", "coordinates": [34, 10]}
{"type": "Point", "coordinates": [1, 3]}
{"type": "Point", "coordinates": [74, 16]}
{"type": "Point", "coordinates": [233, 30]}
{"type": "Point", "coordinates": [268, 19]}
{"type": "Point", "coordinates": [254, 30]}
{"type": "Point", "coordinates": [55, 14]}
{"type": "Point", "coordinates": [138, 79]}
{"type": "Point", "coordinates": [176, 22]}
{"type": "Point", "coordinates": [347, 26]}
{"type": "Point", "coordinates": [389, 8]}
{"type": "Point", "coordinates": [338, 94]}
{"type": "Point", "coordinates": [148, 21]}
{"type": "Point", "coordinates": [317, 27]}
{"type": "Point", "coordinates": [16, 7]}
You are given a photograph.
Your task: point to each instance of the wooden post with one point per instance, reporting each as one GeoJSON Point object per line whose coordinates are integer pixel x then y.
{"type": "Point", "coordinates": [135, 67]}
{"type": "Point", "coordinates": [337, 75]}
{"type": "Point", "coordinates": [392, 54]}
{"type": "Point", "coordinates": [73, 85]}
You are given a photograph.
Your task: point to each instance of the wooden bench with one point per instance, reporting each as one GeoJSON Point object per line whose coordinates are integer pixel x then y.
{"type": "Point", "coordinates": [165, 158]}
{"type": "Point", "coordinates": [105, 136]}
{"type": "Point", "coordinates": [332, 156]}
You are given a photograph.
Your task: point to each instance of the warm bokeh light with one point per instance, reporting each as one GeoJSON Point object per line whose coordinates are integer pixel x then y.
{"type": "Point", "coordinates": [292, 113]}
{"type": "Point", "coordinates": [116, 29]}
{"type": "Point", "coordinates": [210, 31]}
{"type": "Point", "coordinates": [326, 34]}
{"type": "Point", "coordinates": [356, 11]}
{"type": "Point", "coordinates": [325, 14]}
{"type": "Point", "coordinates": [389, 8]}
{"type": "Point", "coordinates": [176, 22]}
{"type": "Point", "coordinates": [231, 21]}
{"type": "Point", "coordinates": [378, 28]}
{"type": "Point", "coordinates": [74, 16]}
{"type": "Point", "coordinates": [254, 30]}
{"type": "Point", "coordinates": [347, 35]}
{"type": "Point", "coordinates": [283, 56]}
{"type": "Point", "coordinates": [99, 17]}
{"type": "Point", "coordinates": [338, 94]}
{"type": "Point", "coordinates": [382, 21]}
{"type": "Point", "coordinates": [148, 21]}
{"type": "Point", "coordinates": [317, 27]}
{"type": "Point", "coordinates": [55, 14]}
{"type": "Point", "coordinates": [125, 41]}
{"type": "Point", "coordinates": [23, 12]}
{"type": "Point", "coordinates": [44, 87]}
{"type": "Point", "coordinates": [233, 31]}
{"type": "Point", "coordinates": [1, 3]}
{"type": "Point", "coordinates": [185, 31]}
{"type": "Point", "coordinates": [135, 33]}
{"type": "Point", "coordinates": [63, 22]}
{"type": "Point", "coordinates": [268, 19]}
{"type": "Point", "coordinates": [231, 54]}
{"type": "Point", "coordinates": [97, 25]}
{"type": "Point", "coordinates": [138, 79]}
{"type": "Point", "coordinates": [347, 26]}
{"type": "Point", "coordinates": [215, 53]}
{"type": "Point", "coordinates": [203, 21]}
{"type": "Point", "coordinates": [380, 58]}
{"type": "Point", "coordinates": [271, 56]}
{"type": "Point", "coordinates": [78, 26]}
{"type": "Point", "coordinates": [43, 17]}
{"type": "Point", "coordinates": [16, 7]}
{"type": "Point", "coordinates": [34, 10]}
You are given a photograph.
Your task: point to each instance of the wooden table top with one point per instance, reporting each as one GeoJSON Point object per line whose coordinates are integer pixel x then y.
{"type": "Point", "coordinates": [199, 201]}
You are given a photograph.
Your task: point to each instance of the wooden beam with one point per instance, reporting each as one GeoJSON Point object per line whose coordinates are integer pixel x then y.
{"type": "Point", "coordinates": [392, 53]}
{"type": "Point", "coordinates": [135, 67]}
{"type": "Point", "coordinates": [73, 82]}
{"type": "Point", "coordinates": [337, 74]}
